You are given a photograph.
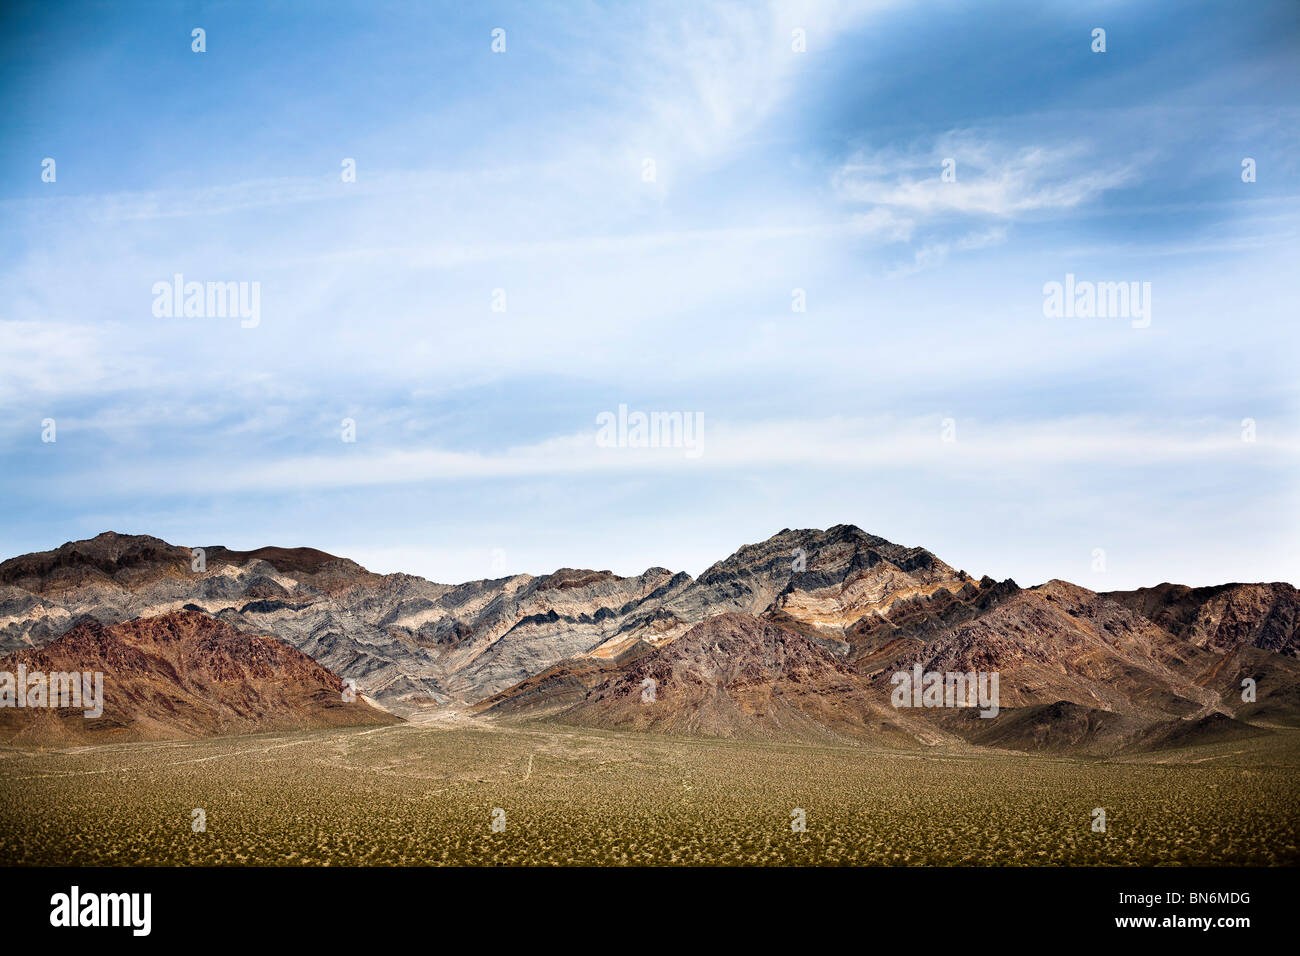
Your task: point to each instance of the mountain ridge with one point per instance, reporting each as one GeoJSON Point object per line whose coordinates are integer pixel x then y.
{"type": "Point", "coordinates": [542, 644]}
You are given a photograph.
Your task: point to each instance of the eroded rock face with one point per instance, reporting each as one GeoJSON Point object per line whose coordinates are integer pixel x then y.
{"type": "Point", "coordinates": [736, 675]}
{"type": "Point", "coordinates": [1060, 642]}
{"type": "Point", "coordinates": [525, 644]}
{"type": "Point", "coordinates": [1078, 671]}
{"type": "Point", "coordinates": [409, 641]}
{"type": "Point", "coordinates": [179, 675]}
{"type": "Point", "coordinates": [1225, 616]}
{"type": "Point", "coordinates": [302, 596]}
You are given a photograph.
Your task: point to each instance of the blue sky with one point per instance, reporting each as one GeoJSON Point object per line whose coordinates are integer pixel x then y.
{"type": "Point", "coordinates": [775, 170]}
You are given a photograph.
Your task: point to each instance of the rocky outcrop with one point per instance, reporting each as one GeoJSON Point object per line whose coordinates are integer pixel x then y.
{"type": "Point", "coordinates": [1223, 617]}
{"type": "Point", "coordinates": [179, 675]}
{"type": "Point", "coordinates": [736, 675]}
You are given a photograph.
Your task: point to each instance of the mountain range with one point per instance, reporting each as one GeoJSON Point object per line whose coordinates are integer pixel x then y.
{"type": "Point", "coordinates": [794, 637]}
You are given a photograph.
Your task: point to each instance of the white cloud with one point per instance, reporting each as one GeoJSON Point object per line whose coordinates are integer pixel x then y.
{"type": "Point", "coordinates": [992, 179]}
{"type": "Point", "coordinates": [837, 442]}
{"type": "Point", "coordinates": [39, 359]}
{"type": "Point", "coordinates": [934, 254]}
{"type": "Point", "coordinates": [709, 76]}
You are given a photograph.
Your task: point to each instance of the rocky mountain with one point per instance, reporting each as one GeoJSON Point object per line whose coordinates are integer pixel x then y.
{"type": "Point", "coordinates": [304, 597]}
{"type": "Point", "coordinates": [1223, 617]}
{"type": "Point", "coordinates": [179, 675]}
{"type": "Point", "coordinates": [411, 642]}
{"type": "Point", "coordinates": [1078, 671]}
{"type": "Point", "coordinates": [1060, 642]}
{"type": "Point", "coordinates": [815, 622]}
{"type": "Point", "coordinates": [736, 675]}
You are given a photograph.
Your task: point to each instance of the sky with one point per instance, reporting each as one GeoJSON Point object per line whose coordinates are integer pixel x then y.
{"type": "Point", "coordinates": [824, 231]}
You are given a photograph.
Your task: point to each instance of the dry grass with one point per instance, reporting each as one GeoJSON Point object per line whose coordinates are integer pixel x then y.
{"type": "Point", "coordinates": [425, 795]}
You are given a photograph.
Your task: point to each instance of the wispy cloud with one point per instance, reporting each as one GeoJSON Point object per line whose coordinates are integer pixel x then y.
{"type": "Point", "coordinates": [712, 74]}
{"type": "Point", "coordinates": [837, 442]}
{"type": "Point", "coordinates": [991, 179]}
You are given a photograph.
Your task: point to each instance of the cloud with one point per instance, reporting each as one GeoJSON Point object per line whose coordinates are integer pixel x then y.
{"type": "Point", "coordinates": [992, 180]}
{"type": "Point", "coordinates": [39, 359]}
{"type": "Point", "coordinates": [712, 74]}
{"type": "Point", "coordinates": [934, 254]}
{"type": "Point", "coordinates": [836, 442]}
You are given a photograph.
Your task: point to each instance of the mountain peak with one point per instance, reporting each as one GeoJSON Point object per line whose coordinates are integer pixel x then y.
{"type": "Point", "coordinates": [838, 548]}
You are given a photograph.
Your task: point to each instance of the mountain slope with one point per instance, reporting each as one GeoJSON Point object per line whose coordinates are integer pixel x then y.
{"type": "Point", "coordinates": [736, 675]}
{"type": "Point", "coordinates": [180, 675]}
{"type": "Point", "coordinates": [1061, 642]}
{"type": "Point", "coordinates": [1223, 617]}
{"type": "Point", "coordinates": [1077, 672]}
